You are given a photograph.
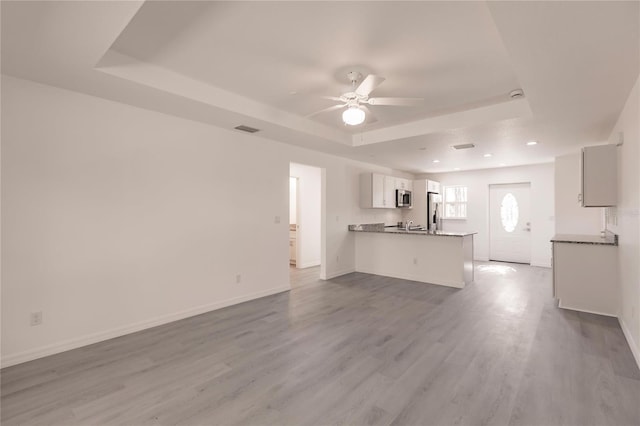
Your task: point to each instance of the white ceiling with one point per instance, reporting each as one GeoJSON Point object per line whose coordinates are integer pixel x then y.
{"type": "Point", "coordinates": [266, 64]}
{"type": "Point", "coordinates": [448, 53]}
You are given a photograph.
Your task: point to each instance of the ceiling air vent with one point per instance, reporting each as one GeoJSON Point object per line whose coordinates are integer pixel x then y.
{"type": "Point", "coordinates": [464, 146]}
{"type": "Point", "coordinates": [246, 129]}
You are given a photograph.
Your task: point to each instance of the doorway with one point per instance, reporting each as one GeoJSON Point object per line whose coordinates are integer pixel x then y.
{"type": "Point", "coordinates": [305, 221]}
{"type": "Point", "coordinates": [293, 220]}
{"type": "Point", "coordinates": [510, 222]}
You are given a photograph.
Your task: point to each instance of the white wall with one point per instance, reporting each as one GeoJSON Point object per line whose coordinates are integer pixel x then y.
{"type": "Point", "coordinates": [308, 238]}
{"type": "Point", "coordinates": [628, 211]}
{"type": "Point", "coordinates": [571, 217]}
{"type": "Point", "coordinates": [477, 181]}
{"type": "Point", "coordinates": [116, 218]}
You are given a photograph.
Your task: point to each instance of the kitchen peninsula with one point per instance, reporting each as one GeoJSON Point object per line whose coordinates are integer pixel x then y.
{"type": "Point", "coordinates": [434, 257]}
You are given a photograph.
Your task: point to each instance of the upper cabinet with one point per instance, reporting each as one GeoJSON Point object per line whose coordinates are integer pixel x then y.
{"type": "Point", "coordinates": [599, 176]}
{"type": "Point", "coordinates": [377, 191]}
{"type": "Point", "coordinates": [433, 186]}
{"type": "Point", "coordinates": [404, 184]}
{"type": "Point", "coordinates": [389, 190]}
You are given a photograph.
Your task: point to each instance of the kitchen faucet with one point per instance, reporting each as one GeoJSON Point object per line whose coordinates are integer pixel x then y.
{"type": "Point", "coordinates": [409, 223]}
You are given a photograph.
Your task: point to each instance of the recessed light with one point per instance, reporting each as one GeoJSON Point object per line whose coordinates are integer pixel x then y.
{"type": "Point", "coordinates": [436, 161]}
{"type": "Point", "coordinates": [502, 164]}
{"type": "Point", "coordinates": [531, 143]}
{"type": "Point", "coordinates": [457, 168]}
{"type": "Point", "coordinates": [487, 155]}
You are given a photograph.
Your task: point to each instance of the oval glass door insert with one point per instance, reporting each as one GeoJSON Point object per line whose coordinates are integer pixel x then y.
{"type": "Point", "coordinates": [509, 212]}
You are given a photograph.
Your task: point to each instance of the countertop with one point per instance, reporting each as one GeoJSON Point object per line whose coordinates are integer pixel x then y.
{"type": "Point", "coordinates": [382, 229]}
{"type": "Point", "coordinates": [610, 239]}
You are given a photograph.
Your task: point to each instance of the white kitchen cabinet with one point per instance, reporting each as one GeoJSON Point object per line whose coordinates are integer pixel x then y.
{"type": "Point", "coordinates": [389, 199]}
{"type": "Point", "coordinates": [377, 191]}
{"type": "Point", "coordinates": [599, 176]}
{"type": "Point", "coordinates": [292, 244]}
{"type": "Point", "coordinates": [584, 277]}
{"type": "Point", "coordinates": [405, 184]}
{"type": "Point", "coordinates": [433, 186]}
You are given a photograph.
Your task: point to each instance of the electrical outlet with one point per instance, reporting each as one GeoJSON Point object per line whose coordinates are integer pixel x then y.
{"type": "Point", "coordinates": [238, 278]}
{"type": "Point", "coordinates": [337, 259]}
{"type": "Point", "coordinates": [276, 219]}
{"type": "Point", "coordinates": [36, 318]}
{"type": "Point", "coordinates": [415, 260]}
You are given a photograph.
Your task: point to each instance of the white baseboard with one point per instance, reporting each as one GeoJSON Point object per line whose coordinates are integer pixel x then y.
{"type": "Point", "coordinates": [573, 308]}
{"type": "Point", "coordinates": [308, 264]}
{"type": "Point", "coordinates": [54, 348]}
{"type": "Point", "coordinates": [635, 350]}
{"type": "Point", "coordinates": [339, 273]}
{"type": "Point", "coordinates": [541, 265]}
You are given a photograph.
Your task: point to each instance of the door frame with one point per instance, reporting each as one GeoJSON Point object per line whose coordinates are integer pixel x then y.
{"type": "Point", "coordinates": [489, 218]}
{"type": "Point", "coordinates": [297, 178]}
{"type": "Point", "coordinates": [323, 216]}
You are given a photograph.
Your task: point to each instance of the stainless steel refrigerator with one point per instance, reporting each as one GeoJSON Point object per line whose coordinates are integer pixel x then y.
{"type": "Point", "coordinates": [434, 211]}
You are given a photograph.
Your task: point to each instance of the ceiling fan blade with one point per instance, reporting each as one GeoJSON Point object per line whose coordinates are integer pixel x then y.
{"type": "Point", "coordinates": [369, 117]}
{"type": "Point", "coordinates": [331, 108]}
{"type": "Point", "coordinates": [396, 101]}
{"type": "Point", "coordinates": [333, 98]}
{"type": "Point", "coordinates": [368, 84]}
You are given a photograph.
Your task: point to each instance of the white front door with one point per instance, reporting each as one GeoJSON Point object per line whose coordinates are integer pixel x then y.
{"type": "Point", "coordinates": [510, 223]}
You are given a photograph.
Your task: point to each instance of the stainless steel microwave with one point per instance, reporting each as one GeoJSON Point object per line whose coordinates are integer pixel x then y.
{"type": "Point", "coordinates": [403, 198]}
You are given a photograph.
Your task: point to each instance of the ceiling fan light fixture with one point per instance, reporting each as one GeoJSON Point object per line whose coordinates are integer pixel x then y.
{"type": "Point", "coordinates": [353, 116]}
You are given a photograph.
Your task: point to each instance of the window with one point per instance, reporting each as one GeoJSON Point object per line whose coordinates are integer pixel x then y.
{"type": "Point", "coordinates": [455, 202]}
{"type": "Point", "coordinates": [509, 212]}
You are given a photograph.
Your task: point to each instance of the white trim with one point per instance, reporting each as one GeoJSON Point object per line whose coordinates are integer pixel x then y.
{"type": "Point", "coordinates": [635, 350]}
{"type": "Point", "coordinates": [486, 259]}
{"type": "Point", "coordinates": [308, 264]}
{"type": "Point", "coordinates": [89, 339]}
{"type": "Point", "coordinates": [298, 220]}
{"type": "Point", "coordinates": [541, 265]}
{"type": "Point", "coordinates": [340, 273]}
{"type": "Point", "coordinates": [560, 305]}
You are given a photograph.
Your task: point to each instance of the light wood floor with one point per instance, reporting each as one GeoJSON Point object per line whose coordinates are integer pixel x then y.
{"type": "Point", "coordinates": [303, 277]}
{"type": "Point", "coordinates": [359, 349]}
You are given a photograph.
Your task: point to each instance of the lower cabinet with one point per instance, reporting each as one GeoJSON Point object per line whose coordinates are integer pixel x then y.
{"type": "Point", "coordinates": [292, 247]}
{"type": "Point", "coordinates": [585, 277]}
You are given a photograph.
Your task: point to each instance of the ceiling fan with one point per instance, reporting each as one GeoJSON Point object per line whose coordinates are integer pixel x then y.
{"type": "Point", "coordinates": [357, 100]}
